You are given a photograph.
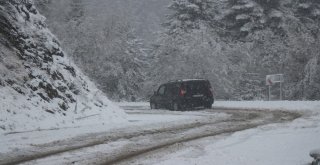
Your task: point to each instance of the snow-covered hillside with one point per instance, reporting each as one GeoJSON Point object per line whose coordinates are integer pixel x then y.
{"type": "Point", "coordinates": [40, 88]}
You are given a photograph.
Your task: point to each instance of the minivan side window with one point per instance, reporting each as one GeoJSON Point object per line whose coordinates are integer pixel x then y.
{"type": "Point", "coordinates": [161, 90]}
{"type": "Point", "coordinates": [168, 90]}
{"type": "Point", "coordinates": [172, 90]}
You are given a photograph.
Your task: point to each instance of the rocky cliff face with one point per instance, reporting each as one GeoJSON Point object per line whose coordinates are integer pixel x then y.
{"type": "Point", "coordinates": [39, 86]}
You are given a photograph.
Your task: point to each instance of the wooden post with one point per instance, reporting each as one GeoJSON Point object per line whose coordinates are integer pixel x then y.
{"type": "Point", "coordinates": [280, 91]}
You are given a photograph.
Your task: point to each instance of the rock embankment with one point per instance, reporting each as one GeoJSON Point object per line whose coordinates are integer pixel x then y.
{"type": "Point", "coordinates": [40, 88]}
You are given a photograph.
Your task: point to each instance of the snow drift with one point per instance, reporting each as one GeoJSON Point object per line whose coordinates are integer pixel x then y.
{"type": "Point", "coordinates": [40, 88]}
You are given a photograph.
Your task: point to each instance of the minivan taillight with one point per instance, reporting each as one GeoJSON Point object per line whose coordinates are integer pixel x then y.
{"type": "Point", "coordinates": [182, 92]}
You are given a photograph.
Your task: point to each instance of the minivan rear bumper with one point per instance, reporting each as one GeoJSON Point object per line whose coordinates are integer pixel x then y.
{"type": "Point", "coordinates": [196, 102]}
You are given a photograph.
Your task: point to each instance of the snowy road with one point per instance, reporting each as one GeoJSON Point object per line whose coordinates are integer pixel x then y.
{"type": "Point", "coordinates": [151, 131]}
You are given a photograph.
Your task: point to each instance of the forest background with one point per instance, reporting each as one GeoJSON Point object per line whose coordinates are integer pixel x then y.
{"type": "Point", "coordinates": [129, 47]}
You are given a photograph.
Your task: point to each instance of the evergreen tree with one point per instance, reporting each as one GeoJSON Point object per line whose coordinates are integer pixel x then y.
{"type": "Point", "coordinates": [117, 61]}
{"type": "Point", "coordinates": [244, 17]}
{"type": "Point", "coordinates": [250, 87]}
{"type": "Point", "coordinates": [43, 4]}
{"type": "Point", "coordinates": [201, 41]}
{"type": "Point", "coordinates": [187, 15]}
{"type": "Point", "coordinates": [76, 12]}
{"type": "Point", "coordinates": [309, 9]}
{"type": "Point", "coordinates": [132, 62]}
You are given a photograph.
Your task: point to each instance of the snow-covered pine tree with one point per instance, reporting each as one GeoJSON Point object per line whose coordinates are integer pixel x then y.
{"type": "Point", "coordinates": [104, 46]}
{"type": "Point", "coordinates": [302, 62]}
{"type": "Point", "coordinates": [250, 87]}
{"type": "Point", "coordinates": [188, 14]}
{"type": "Point", "coordinates": [244, 17]}
{"type": "Point", "coordinates": [258, 25]}
{"type": "Point", "coordinates": [43, 4]}
{"type": "Point", "coordinates": [309, 9]}
{"type": "Point", "coordinates": [186, 23]}
{"type": "Point", "coordinates": [118, 61]}
{"type": "Point", "coordinates": [240, 18]}
{"type": "Point", "coordinates": [132, 61]}
{"type": "Point", "coordinates": [189, 48]}
{"type": "Point", "coordinates": [76, 12]}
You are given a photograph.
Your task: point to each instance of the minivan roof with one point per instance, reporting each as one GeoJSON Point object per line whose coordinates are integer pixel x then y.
{"type": "Point", "coordinates": [185, 80]}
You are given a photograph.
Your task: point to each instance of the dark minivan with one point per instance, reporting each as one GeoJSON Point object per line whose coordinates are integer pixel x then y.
{"type": "Point", "coordinates": [183, 94]}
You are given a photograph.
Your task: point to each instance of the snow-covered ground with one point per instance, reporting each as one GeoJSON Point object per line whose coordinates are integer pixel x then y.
{"type": "Point", "coordinates": [284, 143]}
{"type": "Point", "coordinates": [303, 106]}
{"type": "Point", "coordinates": [15, 141]}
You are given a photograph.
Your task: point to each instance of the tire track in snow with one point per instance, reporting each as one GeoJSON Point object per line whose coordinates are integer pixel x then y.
{"type": "Point", "coordinates": [240, 120]}
{"type": "Point", "coordinates": [240, 123]}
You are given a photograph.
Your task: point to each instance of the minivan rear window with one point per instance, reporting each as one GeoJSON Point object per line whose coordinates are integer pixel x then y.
{"type": "Point", "coordinates": [197, 87]}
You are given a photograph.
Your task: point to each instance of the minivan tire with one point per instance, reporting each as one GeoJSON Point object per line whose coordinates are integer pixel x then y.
{"type": "Point", "coordinates": [153, 106]}
{"type": "Point", "coordinates": [175, 106]}
{"type": "Point", "coordinates": [208, 106]}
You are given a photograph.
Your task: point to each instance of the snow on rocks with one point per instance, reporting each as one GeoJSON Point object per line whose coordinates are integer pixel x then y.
{"type": "Point", "coordinates": [40, 88]}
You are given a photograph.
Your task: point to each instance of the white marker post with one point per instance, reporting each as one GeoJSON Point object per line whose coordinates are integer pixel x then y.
{"type": "Point", "coordinates": [274, 78]}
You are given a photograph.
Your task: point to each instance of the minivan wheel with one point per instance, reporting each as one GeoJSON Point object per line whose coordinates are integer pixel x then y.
{"type": "Point", "coordinates": [153, 106]}
{"type": "Point", "coordinates": [175, 106]}
{"type": "Point", "coordinates": [208, 106]}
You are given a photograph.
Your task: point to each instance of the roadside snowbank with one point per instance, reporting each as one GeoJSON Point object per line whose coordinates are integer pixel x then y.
{"type": "Point", "coordinates": [279, 105]}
